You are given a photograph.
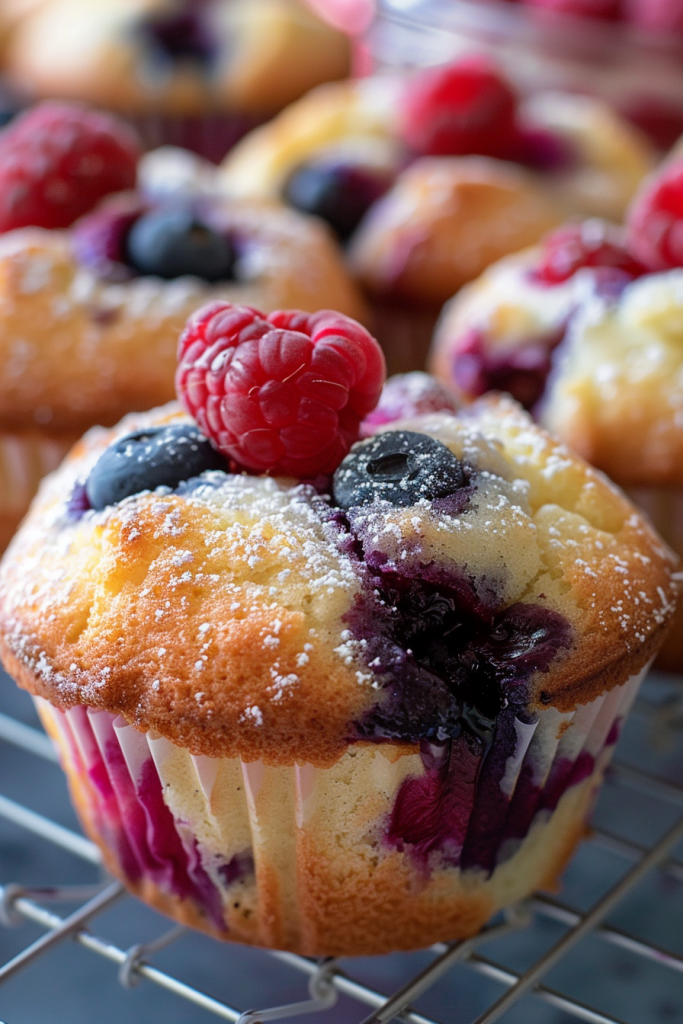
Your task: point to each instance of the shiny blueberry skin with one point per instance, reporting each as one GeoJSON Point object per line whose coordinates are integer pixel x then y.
{"type": "Point", "coordinates": [147, 459]}
{"type": "Point", "coordinates": [399, 466]}
{"type": "Point", "coordinates": [339, 193]}
{"type": "Point", "coordinates": [170, 243]}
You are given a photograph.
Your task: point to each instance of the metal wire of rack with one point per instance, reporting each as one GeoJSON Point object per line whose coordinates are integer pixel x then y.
{"type": "Point", "coordinates": [328, 979]}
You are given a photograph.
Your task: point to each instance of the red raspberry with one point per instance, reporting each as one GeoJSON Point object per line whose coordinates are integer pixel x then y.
{"type": "Point", "coordinates": [594, 243]}
{"type": "Point", "coordinates": [461, 108]}
{"type": "Point", "coordinates": [406, 395]}
{"type": "Point", "coordinates": [282, 394]}
{"type": "Point", "coordinates": [655, 220]}
{"type": "Point", "coordinates": [656, 15]}
{"type": "Point", "coordinates": [58, 160]}
{"type": "Point", "coordinates": [607, 10]}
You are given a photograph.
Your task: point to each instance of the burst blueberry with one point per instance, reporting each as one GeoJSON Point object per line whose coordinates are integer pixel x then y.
{"type": "Point", "coordinates": [401, 467]}
{"type": "Point", "coordinates": [170, 243]}
{"type": "Point", "coordinates": [340, 193]}
{"type": "Point", "coordinates": [147, 459]}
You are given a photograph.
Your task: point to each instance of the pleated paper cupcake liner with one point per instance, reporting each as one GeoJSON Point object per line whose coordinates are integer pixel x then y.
{"type": "Point", "coordinates": [209, 135]}
{"type": "Point", "coordinates": [327, 860]}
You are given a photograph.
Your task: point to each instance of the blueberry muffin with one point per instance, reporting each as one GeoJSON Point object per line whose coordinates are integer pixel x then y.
{"type": "Point", "coordinates": [196, 75]}
{"type": "Point", "coordinates": [586, 329]}
{"type": "Point", "coordinates": [90, 315]}
{"type": "Point", "coordinates": [429, 178]}
{"type": "Point", "coordinates": [341, 713]}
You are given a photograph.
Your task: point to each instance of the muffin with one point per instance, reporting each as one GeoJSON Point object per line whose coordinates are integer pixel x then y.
{"type": "Point", "coordinates": [338, 717]}
{"type": "Point", "coordinates": [429, 178]}
{"type": "Point", "coordinates": [187, 74]}
{"type": "Point", "coordinates": [586, 329]}
{"type": "Point", "coordinates": [90, 315]}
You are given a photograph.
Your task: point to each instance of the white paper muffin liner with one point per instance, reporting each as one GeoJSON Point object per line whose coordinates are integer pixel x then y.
{"type": "Point", "coordinates": [310, 858]}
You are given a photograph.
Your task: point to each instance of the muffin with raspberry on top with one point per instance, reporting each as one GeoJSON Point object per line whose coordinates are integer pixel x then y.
{"type": "Point", "coordinates": [186, 73]}
{"type": "Point", "coordinates": [97, 278]}
{"type": "Point", "coordinates": [333, 697]}
{"type": "Point", "coordinates": [430, 177]}
{"type": "Point", "coordinates": [587, 330]}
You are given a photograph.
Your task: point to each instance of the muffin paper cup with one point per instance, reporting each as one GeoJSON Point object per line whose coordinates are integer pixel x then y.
{"type": "Point", "coordinates": [330, 860]}
{"type": "Point", "coordinates": [209, 135]}
{"type": "Point", "coordinates": [404, 332]}
{"type": "Point", "coordinates": [24, 461]}
{"type": "Point", "coordinates": [664, 506]}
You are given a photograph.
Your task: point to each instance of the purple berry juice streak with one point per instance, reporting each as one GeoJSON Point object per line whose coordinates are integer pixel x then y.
{"type": "Point", "coordinates": [521, 371]}
{"type": "Point", "coordinates": [456, 673]}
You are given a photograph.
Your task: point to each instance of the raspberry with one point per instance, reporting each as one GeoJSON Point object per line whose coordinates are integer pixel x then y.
{"type": "Point", "coordinates": [282, 394]}
{"type": "Point", "coordinates": [656, 15]}
{"type": "Point", "coordinates": [407, 395]}
{"type": "Point", "coordinates": [591, 244]}
{"type": "Point", "coordinates": [607, 10]}
{"type": "Point", "coordinates": [655, 220]}
{"type": "Point", "coordinates": [461, 108]}
{"type": "Point", "coordinates": [58, 160]}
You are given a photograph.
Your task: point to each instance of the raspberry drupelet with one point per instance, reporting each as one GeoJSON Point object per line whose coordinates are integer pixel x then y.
{"type": "Point", "coordinates": [281, 394]}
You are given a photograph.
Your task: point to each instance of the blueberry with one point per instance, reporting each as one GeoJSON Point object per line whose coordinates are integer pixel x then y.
{"type": "Point", "coordinates": [171, 243]}
{"type": "Point", "coordinates": [179, 36]}
{"type": "Point", "coordinates": [400, 467]}
{"type": "Point", "coordinates": [339, 193]}
{"type": "Point", "coordinates": [146, 459]}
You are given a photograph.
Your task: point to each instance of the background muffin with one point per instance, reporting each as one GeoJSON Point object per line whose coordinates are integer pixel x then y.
{"type": "Point", "coordinates": [90, 315]}
{"type": "Point", "coordinates": [389, 162]}
{"type": "Point", "coordinates": [586, 328]}
{"type": "Point", "coordinates": [194, 75]}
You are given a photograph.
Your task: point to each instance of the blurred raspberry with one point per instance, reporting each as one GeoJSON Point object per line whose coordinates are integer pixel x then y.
{"type": "Point", "coordinates": [655, 220]}
{"type": "Point", "coordinates": [406, 395]}
{"type": "Point", "coordinates": [282, 394]}
{"type": "Point", "coordinates": [58, 160]}
{"type": "Point", "coordinates": [656, 15]}
{"type": "Point", "coordinates": [461, 108]}
{"type": "Point", "coordinates": [594, 243]}
{"type": "Point", "coordinates": [607, 10]}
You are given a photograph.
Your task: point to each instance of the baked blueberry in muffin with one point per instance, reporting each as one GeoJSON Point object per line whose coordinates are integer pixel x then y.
{"type": "Point", "coordinates": [303, 683]}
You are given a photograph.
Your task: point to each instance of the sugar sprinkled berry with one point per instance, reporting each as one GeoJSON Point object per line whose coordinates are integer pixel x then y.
{"type": "Point", "coordinates": [400, 467]}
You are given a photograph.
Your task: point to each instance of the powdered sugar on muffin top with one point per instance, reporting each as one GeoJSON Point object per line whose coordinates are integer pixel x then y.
{"type": "Point", "coordinates": [249, 615]}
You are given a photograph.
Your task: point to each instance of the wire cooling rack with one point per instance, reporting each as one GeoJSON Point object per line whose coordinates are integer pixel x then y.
{"type": "Point", "coordinates": [570, 925]}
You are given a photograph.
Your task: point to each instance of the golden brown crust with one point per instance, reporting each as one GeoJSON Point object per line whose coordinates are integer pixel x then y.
{"type": "Point", "coordinates": [269, 54]}
{"type": "Point", "coordinates": [444, 221]}
{"type": "Point", "coordinates": [220, 619]}
{"type": "Point", "coordinates": [75, 351]}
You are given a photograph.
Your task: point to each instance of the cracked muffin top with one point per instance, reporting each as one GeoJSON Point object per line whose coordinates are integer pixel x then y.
{"type": "Point", "coordinates": [453, 564]}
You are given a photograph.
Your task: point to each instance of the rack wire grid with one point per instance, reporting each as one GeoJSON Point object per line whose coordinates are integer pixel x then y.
{"type": "Point", "coordinates": [607, 950]}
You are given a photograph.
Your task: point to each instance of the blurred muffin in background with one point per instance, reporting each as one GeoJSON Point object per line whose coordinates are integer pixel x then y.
{"type": "Point", "coordinates": [587, 330]}
{"type": "Point", "coordinates": [91, 311]}
{"type": "Point", "coordinates": [187, 74]}
{"type": "Point", "coordinates": [430, 177]}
